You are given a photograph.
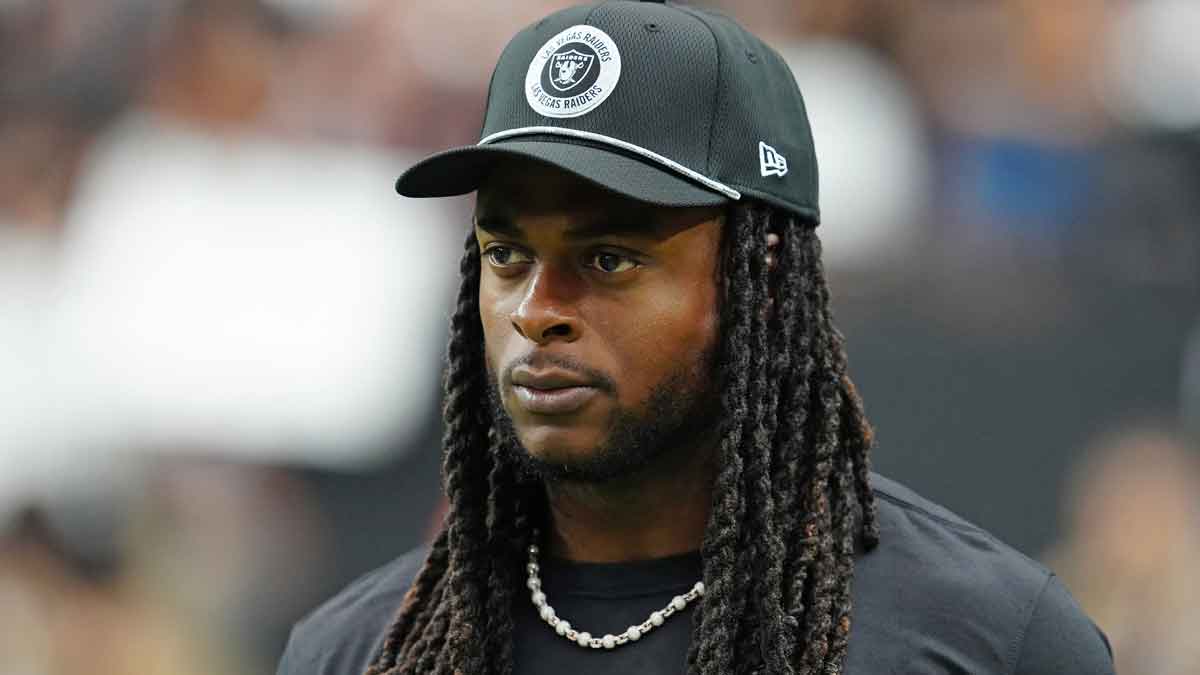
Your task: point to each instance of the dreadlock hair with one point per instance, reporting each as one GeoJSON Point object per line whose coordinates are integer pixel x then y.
{"type": "Point", "coordinates": [791, 500]}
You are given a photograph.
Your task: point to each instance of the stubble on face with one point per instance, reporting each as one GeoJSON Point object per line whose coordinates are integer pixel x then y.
{"type": "Point", "coordinates": [679, 414]}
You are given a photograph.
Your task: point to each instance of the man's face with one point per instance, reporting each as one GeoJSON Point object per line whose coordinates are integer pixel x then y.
{"type": "Point", "coordinates": [600, 319]}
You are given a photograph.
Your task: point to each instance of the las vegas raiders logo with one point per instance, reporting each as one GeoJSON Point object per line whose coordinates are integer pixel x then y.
{"type": "Point", "coordinates": [573, 72]}
{"type": "Point", "coordinates": [567, 69]}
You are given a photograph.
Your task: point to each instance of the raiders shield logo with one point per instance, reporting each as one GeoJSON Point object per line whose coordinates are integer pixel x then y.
{"type": "Point", "coordinates": [572, 73]}
{"type": "Point", "coordinates": [569, 68]}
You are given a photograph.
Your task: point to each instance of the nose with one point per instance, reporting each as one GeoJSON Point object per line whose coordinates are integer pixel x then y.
{"type": "Point", "coordinates": [546, 313]}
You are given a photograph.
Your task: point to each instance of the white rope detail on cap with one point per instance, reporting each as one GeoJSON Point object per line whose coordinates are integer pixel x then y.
{"type": "Point", "coordinates": [618, 143]}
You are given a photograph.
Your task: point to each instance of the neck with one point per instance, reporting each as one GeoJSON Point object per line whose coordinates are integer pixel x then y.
{"type": "Point", "coordinates": [661, 511]}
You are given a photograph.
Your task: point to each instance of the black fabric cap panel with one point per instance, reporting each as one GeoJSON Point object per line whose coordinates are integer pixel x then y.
{"type": "Point", "coordinates": [760, 102]}
{"type": "Point", "coordinates": [463, 170]}
{"type": "Point", "coordinates": [663, 99]}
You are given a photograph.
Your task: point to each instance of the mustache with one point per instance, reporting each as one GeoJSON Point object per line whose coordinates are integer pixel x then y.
{"type": "Point", "coordinates": [539, 361]}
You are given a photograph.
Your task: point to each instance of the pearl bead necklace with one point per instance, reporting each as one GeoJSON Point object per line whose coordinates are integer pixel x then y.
{"type": "Point", "coordinates": [609, 641]}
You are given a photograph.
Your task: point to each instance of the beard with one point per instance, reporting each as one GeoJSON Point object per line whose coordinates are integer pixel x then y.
{"type": "Point", "coordinates": [681, 410]}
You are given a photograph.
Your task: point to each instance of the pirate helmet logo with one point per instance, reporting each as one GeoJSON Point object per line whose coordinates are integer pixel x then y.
{"type": "Point", "coordinates": [569, 68]}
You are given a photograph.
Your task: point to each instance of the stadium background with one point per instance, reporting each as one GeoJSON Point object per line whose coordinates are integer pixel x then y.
{"type": "Point", "coordinates": [220, 331]}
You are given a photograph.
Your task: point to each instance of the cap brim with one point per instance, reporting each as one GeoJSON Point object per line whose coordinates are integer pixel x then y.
{"type": "Point", "coordinates": [463, 170]}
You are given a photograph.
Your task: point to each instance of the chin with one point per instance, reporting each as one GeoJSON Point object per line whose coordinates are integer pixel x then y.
{"type": "Point", "coordinates": [559, 445]}
{"type": "Point", "coordinates": [582, 456]}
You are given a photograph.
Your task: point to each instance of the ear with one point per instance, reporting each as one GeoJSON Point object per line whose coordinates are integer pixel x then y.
{"type": "Point", "coordinates": [772, 247]}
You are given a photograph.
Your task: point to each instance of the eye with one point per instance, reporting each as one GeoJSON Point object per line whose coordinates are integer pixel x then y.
{"type": "Point", "coordinates": [612, 263]}
{"type": "Point", "coordinates": [505, 256]}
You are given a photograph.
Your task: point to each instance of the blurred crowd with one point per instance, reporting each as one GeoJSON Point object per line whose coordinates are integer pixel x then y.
{"type": "Point", "coordinates": [220, 331]}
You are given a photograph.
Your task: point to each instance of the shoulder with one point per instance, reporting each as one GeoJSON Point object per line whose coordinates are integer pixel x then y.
{"type": "Point", "coordinates": [919, 536]}
{"type": "Point", "coordinates": [343, 634]}
{"type": "Point", "coordinates": [931, 563]}
{"type": "Point", "coordinates": [941, 588]}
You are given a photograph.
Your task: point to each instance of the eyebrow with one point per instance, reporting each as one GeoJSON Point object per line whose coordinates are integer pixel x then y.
{"type": "Point", "coordinates": [595, 230]}
{"type": "Point", "coordinates": [500, 225]}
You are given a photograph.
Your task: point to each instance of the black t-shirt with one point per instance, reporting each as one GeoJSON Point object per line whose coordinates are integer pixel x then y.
{"type": "Point", "coordinates": [938, 595]}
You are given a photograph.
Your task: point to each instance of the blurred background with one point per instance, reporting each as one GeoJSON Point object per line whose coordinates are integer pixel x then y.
{"type": "Point", "coordinates": [221, 331]}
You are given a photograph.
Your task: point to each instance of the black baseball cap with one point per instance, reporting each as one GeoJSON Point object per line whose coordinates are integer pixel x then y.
{"type": "Point", "coordinates": [660, 102]}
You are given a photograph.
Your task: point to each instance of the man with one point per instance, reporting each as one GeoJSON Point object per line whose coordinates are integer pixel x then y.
{"type": "Point", "coordinates": [654, 458]}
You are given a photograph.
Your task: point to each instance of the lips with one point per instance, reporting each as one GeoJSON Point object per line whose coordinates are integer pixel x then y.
{"type": "Point", "coordinates": [551, 391]}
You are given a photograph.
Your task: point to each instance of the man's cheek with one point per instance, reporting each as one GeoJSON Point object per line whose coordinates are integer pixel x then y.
{"type": "Point", "coordinates": [493, 326]}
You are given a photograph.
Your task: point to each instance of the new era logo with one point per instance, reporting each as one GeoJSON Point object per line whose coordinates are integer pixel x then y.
{"type": "Point", "coordinates": [770, 162]}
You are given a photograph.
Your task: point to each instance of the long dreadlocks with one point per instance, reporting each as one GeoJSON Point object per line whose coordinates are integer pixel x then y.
{"type": "Point", "coordinates": [791, 500]}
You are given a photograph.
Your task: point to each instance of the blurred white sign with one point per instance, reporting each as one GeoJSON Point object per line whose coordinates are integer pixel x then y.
{"type": "Point", "coordinates": [234, 294]}
{"type": "Point", "coordinates": [874, 168]}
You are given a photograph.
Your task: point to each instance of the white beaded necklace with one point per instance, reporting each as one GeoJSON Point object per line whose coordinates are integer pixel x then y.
{"type": "Point", "coordinates": [585, 639]}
